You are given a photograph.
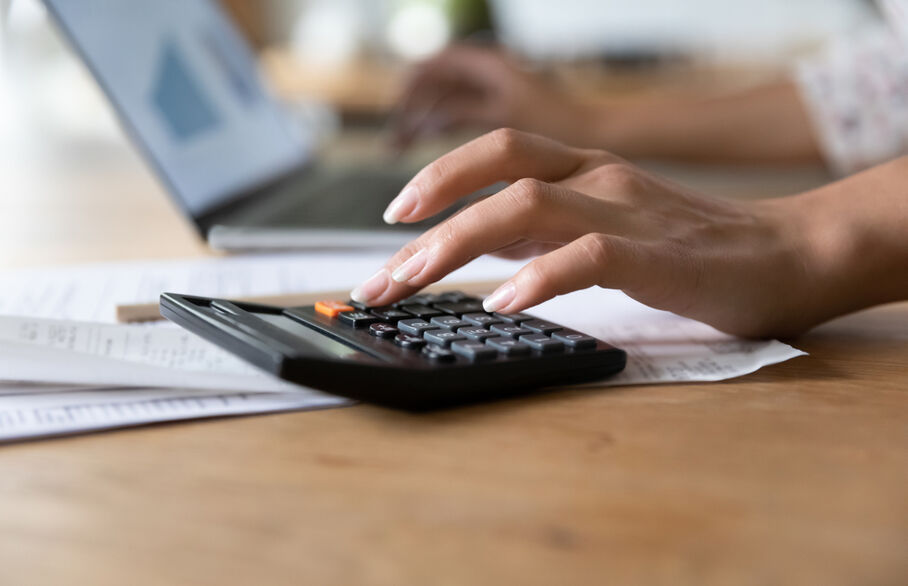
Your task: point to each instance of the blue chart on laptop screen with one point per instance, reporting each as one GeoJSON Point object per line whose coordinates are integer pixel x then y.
{"type": "Point", "coordinates": [188, 88]}
{"type": "Point", "coordinates": [181, 102]}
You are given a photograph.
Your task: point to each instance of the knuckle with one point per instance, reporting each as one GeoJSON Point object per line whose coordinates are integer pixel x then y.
{"type": "Point", "coordinates": [528, 193]}
{"type": "Point", "coordinates": [621, 176]}
{"type": "Point", "coordinates": [597, 248]}
{"type": "Point", "coordinates": [507, 140]}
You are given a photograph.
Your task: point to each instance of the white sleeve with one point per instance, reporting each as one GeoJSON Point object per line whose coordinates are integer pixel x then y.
{"type": "Point", "coordinates": [856, 92]}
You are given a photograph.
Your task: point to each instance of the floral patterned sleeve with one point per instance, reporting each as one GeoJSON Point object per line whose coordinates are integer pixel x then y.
{"type": "Point", "coordinates": [857, 94]}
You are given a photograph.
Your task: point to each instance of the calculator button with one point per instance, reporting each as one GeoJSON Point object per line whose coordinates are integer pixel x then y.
{"type": "Point", "coordinates": [542, 343]}
{"type": "Point", "coordinates": [423, 311]}
{"type": "Point", "coordinates": [510, 330]}
{"type": "Point", "coordinates": [390, 313]}
{"type": "Point", "coordinates": [514, 318]}
{"type": "Point", "coordinates": [358, 305]}
{"type": "Point", "coordinates": [474, 350]}
{"type": "Point", "coordinates": [418, 299]}
{"type": "Point", "coordinates": [331, 308]}
{"type": "Point", "coordinates": [476, 333]}
{"type": "Point", "coordinates": [452, 322]}
{"type": "Point", "coordinates": [438, 353]}
{"type": "Point", "coordinates": [455, 297]}
{"type": "Point", "coordinates": [408, 341]}
{"type": "Point", "coordinates": [481, 319]}
{"type": "Point", "coordinates": [575, 339]}
{"type": "Point", "coordinates": [508, 346]}
{"type": "Point", "coordinates": [461, 308]}
{"type": "Point", "coordinates": [541, 327]}
{"type": "Point", "coordinates": [357, 319]}
{"type": "Point", "coordinates": [442, 337]}
{"type": "Point", "coordinates": [382, 330]}
{"type": "Point", "coordinates": [415, 326]}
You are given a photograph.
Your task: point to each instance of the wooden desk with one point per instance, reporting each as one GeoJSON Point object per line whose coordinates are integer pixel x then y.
{"type": "Point", "coordinates": [795, 475]}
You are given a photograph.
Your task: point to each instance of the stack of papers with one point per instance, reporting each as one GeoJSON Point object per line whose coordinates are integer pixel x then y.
{"type": "Point", "coordinates": [67, 368]}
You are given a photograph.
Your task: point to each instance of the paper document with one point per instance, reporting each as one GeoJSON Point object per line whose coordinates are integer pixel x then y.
{"type": "Point", "coordinates": [85, 353]}
{"type": "Point", "coordinates": [28, 415]}
{"type": "Point", "coordinates": [661, 346]}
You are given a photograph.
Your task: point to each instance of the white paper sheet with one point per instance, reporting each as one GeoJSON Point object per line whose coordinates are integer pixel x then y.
{"type": "Point", "coordinates": [28, 415]}
{"type": "Point", "coordinates": [92, 292]}
{"type": "Point", "coordinates": [661, 346]}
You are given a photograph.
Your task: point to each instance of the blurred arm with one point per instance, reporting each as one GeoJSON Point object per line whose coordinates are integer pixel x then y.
{"type": "Point", "coordinates": [767, 124]}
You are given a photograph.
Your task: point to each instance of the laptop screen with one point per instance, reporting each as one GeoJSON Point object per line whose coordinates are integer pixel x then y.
{"type": "Point", "coordinates": [186, 87]}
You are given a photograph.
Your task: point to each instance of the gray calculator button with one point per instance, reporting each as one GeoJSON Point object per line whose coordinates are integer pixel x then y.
{"type": "Point", "coordinates": [575, 339]}
{"type": "Point", "coordinates": [514, 318]}
{"type": "Point", "coordinates": [438, 353]}
{"type": "Point", "coordinates": [442, 337]}
{"type": "Point", "coordinates": [541, 327]}
{"type": "Point", "coordinates": [510, 330]}
{"type": "Point", "coordinates": [452, 322]}
{"type": "Point", "coordinates": [409, 341]}
{"type": "Point", "coordinates": [508, 346]}
{"type": "Point", "coordinates": [422, 311]}
{"type": "Point", "coordinates": [455, 297]}
{"type": "Point", "coordinates": [357, 319]}
{"type": "Point", "coordinates": [390, 313]}
{"type": "Point", "coordinates": [542, 343]}
{"type": "Point", "coordinates": [461, 308]}
{"type": "Point", "coordinates": [418, 299]}
{"type": "Point", "coordinates": [414, 326]}
{"type": "Point", "coordinates": [476, 333]}
{"type": "Point", "coordinates": [474, 350]}
{"type": "Point", "coordinates": [382, 330]}
{"type": "Point", "coordinates": [481, 319]}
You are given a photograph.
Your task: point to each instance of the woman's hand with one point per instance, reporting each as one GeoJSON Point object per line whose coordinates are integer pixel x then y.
{"type": "Point", "coordinates": [747, 268]}
{"type": "Point", "coordinates": [760, 268]}
{"type": "Point", "coordinates": [480, 87]}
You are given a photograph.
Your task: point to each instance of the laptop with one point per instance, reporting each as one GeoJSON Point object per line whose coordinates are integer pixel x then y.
{"type": "Point", "coordinates": [187, 90]}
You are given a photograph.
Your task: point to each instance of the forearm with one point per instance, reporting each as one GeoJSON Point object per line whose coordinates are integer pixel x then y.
{"type": "Point", "coordinates": [857, 233]}
{"type": "Point", "coordinates": [764, 125]}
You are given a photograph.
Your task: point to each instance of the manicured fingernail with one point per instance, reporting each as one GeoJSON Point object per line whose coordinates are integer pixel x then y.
{"type": "Point", "coordinates": [411, 267]}
{"type": "Point", "coordinates": [402, 206]}
{"type": "Point", "coordinates": [501, 297]}
{"type": "Point", "coordinates": [372, 288]}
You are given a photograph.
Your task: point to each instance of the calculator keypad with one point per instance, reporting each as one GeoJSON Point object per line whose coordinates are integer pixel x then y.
{"type": "Point", "coordinates": [447, 325]}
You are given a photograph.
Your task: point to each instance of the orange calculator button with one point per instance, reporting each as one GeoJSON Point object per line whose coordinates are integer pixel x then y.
{"type": "Point", "coordinates": [331, 308]}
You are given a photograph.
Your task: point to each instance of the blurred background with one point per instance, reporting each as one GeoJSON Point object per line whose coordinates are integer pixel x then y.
{"type": "Point", "coordinates": [340, 65]}
{"type": "Point", "coordinates": [343, 60]}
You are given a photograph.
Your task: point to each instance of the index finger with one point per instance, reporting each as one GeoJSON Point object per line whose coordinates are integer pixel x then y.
{"type": "Point", "coordinates": [501, 155]}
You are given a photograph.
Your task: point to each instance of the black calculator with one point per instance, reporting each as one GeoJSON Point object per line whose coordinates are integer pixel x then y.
{"type": "Point", "coordinates": [425, 352]}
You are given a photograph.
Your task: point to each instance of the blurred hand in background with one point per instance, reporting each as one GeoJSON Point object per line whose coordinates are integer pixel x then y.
{"type": "Point", "coordinates": [484, 88]}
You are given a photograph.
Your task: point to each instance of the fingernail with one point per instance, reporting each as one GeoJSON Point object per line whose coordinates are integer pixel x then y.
{"type": "Point", "coordinates": [371, 288]}
{"type": "Point", "coordinates": [500, 298]}
{"type": "Point", "coordinates": [411, 267]}
{"type": "Point", "coordinates": [402, 206]}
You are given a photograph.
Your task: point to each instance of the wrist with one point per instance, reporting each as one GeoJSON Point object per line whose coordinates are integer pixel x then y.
{"type": "Point", "coordinates": [852, 248]}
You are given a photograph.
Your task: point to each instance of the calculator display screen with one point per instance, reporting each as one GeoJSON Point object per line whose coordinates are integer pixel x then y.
{"type": "Point", "coordinates": [323, 343]}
